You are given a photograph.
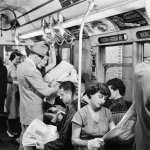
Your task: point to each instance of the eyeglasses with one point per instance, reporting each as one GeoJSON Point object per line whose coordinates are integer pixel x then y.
{"type": "Point", "coordinates": [41, 56]}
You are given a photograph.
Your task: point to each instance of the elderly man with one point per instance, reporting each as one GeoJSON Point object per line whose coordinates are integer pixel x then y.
{"type": "Point", "coordinates": [31, 87]}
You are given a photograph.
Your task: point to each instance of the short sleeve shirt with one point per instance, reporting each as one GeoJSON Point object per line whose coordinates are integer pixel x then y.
{"type": "Point", "coordinates": [89, 127]}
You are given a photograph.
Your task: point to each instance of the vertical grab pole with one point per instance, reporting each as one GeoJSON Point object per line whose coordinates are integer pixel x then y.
{"type": "Point", "coordinates": [91, 6]}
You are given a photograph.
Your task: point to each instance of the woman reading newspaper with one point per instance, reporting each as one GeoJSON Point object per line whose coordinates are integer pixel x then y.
{"type": "Point", "coordinates": [91, 122]}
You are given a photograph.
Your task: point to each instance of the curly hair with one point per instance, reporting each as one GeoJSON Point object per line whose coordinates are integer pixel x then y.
{"type": "Point", "coordinates": [99, 87]}
{"type": "Point", "coordinates": [117, 84]}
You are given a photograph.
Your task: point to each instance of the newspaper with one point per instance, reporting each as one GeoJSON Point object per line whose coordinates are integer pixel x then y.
{"type": "Point", "coordinates": [62, 72]}
{"type": "Point", "coordinates": [39, 132]}
{"type": "Point", "coordinates": [124, 130]}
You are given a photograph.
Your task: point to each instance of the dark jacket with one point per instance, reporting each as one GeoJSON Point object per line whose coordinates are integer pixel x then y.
{"type": "Point", "coordinates": [117, 105]}
{"type": "Point", "coordinates": [65, 130]}
{"type": "Point", "coordinates": [3, 81]}
{"type": "Point", "coordinates": [3, 87]}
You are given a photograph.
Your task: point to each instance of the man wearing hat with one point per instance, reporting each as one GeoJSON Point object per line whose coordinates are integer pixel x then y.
{"type": "Point", "coordinates": [31, 87]}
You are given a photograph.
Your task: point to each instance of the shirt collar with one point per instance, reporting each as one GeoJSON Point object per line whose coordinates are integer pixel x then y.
{"type": "Point", "coordinates": [28, 59]}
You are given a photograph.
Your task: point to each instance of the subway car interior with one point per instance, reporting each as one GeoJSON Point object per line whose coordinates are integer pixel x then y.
{"type": "Point", "coordinates": [101, 39]}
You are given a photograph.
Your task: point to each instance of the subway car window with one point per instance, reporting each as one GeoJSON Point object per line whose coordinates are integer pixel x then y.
{"type": "Point", "coordinates": [118, 64]}
{"type": "Point", "coordinates": [146, 50]}
{"type": "Point", "coordinates": [114, 61]}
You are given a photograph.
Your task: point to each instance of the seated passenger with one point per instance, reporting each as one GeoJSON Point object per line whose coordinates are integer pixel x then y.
{"type": "Point", "coordinates": [118, 107]}
{"type": "Point", "coordinates": [92, 121]}
{"type": "Point", "coordinates": [67, 92]}
{"type": "Point", "coordinates": [116, 103]}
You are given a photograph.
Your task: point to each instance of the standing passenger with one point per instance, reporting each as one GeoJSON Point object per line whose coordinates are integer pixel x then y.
{"type": "Point", "coordinates": [32, 88]}
{"type": "Point", "coordinates": [12, 101]}
{"type": "Point", "coordinates": [142, 105]}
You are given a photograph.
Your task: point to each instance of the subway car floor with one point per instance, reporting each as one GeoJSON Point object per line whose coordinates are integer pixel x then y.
{"type": "Point", "coordinates": [7, 143]}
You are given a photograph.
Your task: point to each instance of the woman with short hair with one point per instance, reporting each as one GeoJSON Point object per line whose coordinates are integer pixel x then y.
{"type": "Point", "coordinates": [91, 122]}
{"type": "Point", "coordinates": [12, 99]}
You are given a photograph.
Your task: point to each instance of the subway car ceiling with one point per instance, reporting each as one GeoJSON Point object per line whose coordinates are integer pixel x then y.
{"type": "Point", "coordinates": [108, 22]}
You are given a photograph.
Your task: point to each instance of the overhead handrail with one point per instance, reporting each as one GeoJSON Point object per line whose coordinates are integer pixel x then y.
{"type": "Point", "coordinates": [51, 13]}
{"type": "Point", "coordinates": [47, 38]}
{"type": "Point", "coordinates": [44, 35]}
{"type": "Point", "coordinates": [57, 38]}
{"type": "Point", "coordinates": [66, 34]}
{"type": "Point", "coordinates": [57, 33]}
{"type": "Point", "coordinates": [39, 6]}
{"type": "Point", "coordinates": [91, 6]}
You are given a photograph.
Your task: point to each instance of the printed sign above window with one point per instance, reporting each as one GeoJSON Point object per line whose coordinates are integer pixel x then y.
{"type": "Point", "coordinates": [113, 38]}
{"type": "Point", "coordinates": [143, 34]}
{"type": "Point", "coordinates": [129, 20]}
